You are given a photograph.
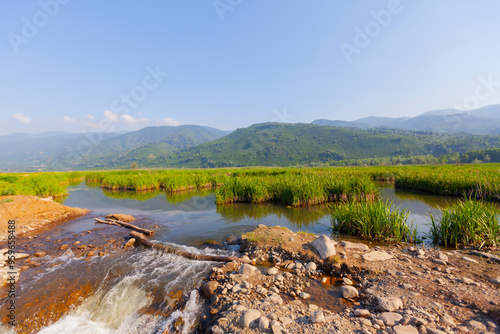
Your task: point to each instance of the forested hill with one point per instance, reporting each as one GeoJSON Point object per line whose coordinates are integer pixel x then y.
{"type": "Point", "coordinates": [278, 144]}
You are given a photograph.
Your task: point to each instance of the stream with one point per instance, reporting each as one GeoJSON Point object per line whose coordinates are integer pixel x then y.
{"type": "Point", "coordinates": [142, 290]}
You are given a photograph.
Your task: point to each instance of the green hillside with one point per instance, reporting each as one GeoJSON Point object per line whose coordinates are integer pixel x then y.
{"type": "Point", "coordinates": [276, 144]}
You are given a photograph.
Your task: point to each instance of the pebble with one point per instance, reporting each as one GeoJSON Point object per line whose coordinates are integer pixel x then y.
{"type": "Point", "coordinates": [389, 304]}
{"type": "Point", "coordinates": [349, 292]}
{"type": "Point", "coordinates": [400, 329]}
{"type": "Point", "coordinates": [317, 317]}
{"type": "Point", "coordinates": [390, 318]}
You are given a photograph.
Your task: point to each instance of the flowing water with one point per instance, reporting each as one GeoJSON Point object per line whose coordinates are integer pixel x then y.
{"type": "Point", "coordinates": [145, 291]}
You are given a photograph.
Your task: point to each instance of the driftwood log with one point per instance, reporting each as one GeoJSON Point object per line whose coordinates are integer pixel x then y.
{"type": "Point", "coordinates": [142, 239]}
{"type": "Point", "coordinates": [127, 225]}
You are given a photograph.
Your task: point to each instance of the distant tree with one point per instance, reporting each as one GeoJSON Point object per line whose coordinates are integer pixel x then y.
{"type": "Point", "coordinates": [133, 165]}
{"type": "Point", "coordinates": [486, 158]}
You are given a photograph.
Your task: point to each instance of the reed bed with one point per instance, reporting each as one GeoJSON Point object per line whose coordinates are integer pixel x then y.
{"type": "Point", "coordinates": [302, 188]}
{"type": "Point", "coordinates": [379, 221]}
{"type": "Point", "coordinates": [38, 184]}
{"type": "Point", "coordinates": [471, 181]}
{"type": "Point", "coordinates": [470, 222]}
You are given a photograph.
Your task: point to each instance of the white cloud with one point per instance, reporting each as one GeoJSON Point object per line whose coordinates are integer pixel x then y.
{"type": "Point", "coordinates": [89, 116]}
{"type": "Point", "coordinates": [130, 120]}
{"type": "Point", "coordinates": [68, 119]}
{"type": "Point", "coordinates": [169, 121]}
{"type": "Point", "coordinates": [110, 116]}
{"type": "Point", "coordinates": [22, 118]}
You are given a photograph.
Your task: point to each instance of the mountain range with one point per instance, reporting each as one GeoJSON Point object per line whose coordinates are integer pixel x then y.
{"type": "Point", "coordinates": [483, 121]}
{"type": "Point", "coordinates": [438, 133]}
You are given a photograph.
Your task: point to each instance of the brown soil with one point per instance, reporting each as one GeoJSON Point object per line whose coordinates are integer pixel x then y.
{"type": "Point", "coordinates": [31, 213]}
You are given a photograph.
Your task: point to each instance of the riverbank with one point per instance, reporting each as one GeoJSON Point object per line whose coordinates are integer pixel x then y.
{"type": "Point", "coordinates": [383, 289]}
{"type": "Point", "coordinates": [31, 213]}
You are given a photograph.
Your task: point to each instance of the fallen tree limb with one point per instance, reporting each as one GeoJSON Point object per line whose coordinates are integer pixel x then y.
{"type": "Point", "coordinates": [126, 225]}
{"type": "Point", "coordinates": [203, 257]}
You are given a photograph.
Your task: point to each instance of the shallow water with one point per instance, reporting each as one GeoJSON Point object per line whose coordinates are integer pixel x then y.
{"type": "Point", "coordinates": [139, 291]}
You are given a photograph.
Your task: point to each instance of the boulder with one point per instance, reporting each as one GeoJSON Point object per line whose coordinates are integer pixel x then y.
{"type": "Point", "coordinates": [323, 246]}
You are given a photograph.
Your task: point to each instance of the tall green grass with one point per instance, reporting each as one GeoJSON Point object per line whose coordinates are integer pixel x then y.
{"type": "Point", "coordinates": [38, 184]}
{"type": "Point", "coordinates": [468, 223]}
{"type": "Point", "coordinates": [379, 221]}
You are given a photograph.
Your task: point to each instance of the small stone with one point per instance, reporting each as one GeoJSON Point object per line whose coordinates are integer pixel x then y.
{"type": "Point", "coordinates": [355, 246]}
{"type": "Point", "coordinates": [249, 317]}
{"type": "Point", "coordinates": [491, 324]}
{"type": "Point", "coordinates": [304, 295]}
{"type": "Point", "coordinates": [317, 317]}
{"type": "Point", "coordinates": [286, 321]}
{"type": "Point", "coordinates": [349, 292]}
{"type": "Point", "coordinates": [274, 299]}
{"type": "Point", "coordinates": [276, 329]}
{"type": "Point", "coordinates": [434, 331]}
{"type": "Point", "coordinates": [90, 254]}
{"type": "Point", "coordinates": [130, 243]}
{"type": "Point", "coordinates": [120, 217]}
{"type": "Point", "coordinates": [476, 325]}
{"type": "Point", "coordinates": [466, 280]}
{"type": "Point", "coordinates": [390, 318]}
{"type": "Point", "coordinates": [366, 322]}
{"type": "Point", "coordinates": [418, 321]}
{"type": "Point", "coordinates": [377, 256]}
{"type": "Point", "coordinates": [63, 247]}
{"type": "Point", "coordinates": [311, 266]}
{"type": "Point", "coordinates": [447, 320]}
{"type": "Point", "coordinates": [439, 261]}
{"type": "Point", "coordinates": [361, 313]}
{"type": "Point", "coordinates": [443, 256]}
{"type": "Point", "coordinates": [495, 280]}
{"type": "Point", "coordinates": [389, 304]}
{"type": "Point", "coordinates": [217, 330]}
{"type": "Point", "coordinates": [247, 269]}
{"type": "Point", "coordinates": [40, 254]}
{"type": "Point", "coordinates": [400, 329]}
{"type": "Point", "coordinates": [272, 271]}
{"type": "Point", "coordinates": [263, 324]}
{"type": "Point", "coordinates": [209, 288]}
{"type": "Point", "coordinates": [347, 281]}
{"type": "Point", "coordinates": [468, 259]}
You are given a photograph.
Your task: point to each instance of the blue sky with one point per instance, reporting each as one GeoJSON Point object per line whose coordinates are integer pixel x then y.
{"type": "Point", "coordinates": [76, 65]}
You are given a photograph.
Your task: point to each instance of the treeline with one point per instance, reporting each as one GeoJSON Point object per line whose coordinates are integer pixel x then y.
{"type": "Point", "coordinates": [491, 155]}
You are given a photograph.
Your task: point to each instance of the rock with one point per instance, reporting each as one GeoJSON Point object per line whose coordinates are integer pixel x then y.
{"type": "Point", "coordinates": [468, 259]}
{"type": "Point", "coordinates": [317, 317]}
{"type": "Point", "coordinates": [361, 313]}
{"type": "Point", "coordinates": [209, 288]}
{"type": "Point", "coordinates": [263, 324]}
{"type": "Point", "coordinates": [443, 256]}
{"type": "Point", "coordinates": [276, 329]}
{"type": "Point", "coordinates": [217, 330]}
{"type": "Point", "coordinates": [389, 304]}
{"type": "Point", "coordinates": [349, 292]}
{"type": "Point", "coordinates": [286, 321]}
{"type": "Point", "coordinates": [90, 254]}
{"type": "Point", "coordinates": [400, 329]}
{"type": "Point", "coordinates": [40, 254]}
{"type": "Point", "coordinates": [304, 295]}
{"type": "Point", "coordinates": [419, 321]}
{"type": "Point", "coordinates": [352, 245]}
{"type": "Point", "coordinates": [323, 246]}
{"type": "Point", "coordinates": [476, 325]}
{"type": "Point", "coordinates": [466, 280]}
{"type": "Point", "coordinates": [347, 281]}
{"type": "Point", "coordinates": [447, 320]}
{"type": "Point", "coordinates": [247, 269]}
{"type": "Point", "coordinates": [377, 256]}
{"type": "Point", "coordinates": [261, 226]}
{"type": "Point", "coordinates": [63, 247]}
{"type": "Point", "coordinates": [130, 243]}
{"type": "Point", "coordinates": [121, 217]}
{"type": "Point", "coordinates": [311, 266]}
{"type": "Point", "coordinates": [366, 322]}
{"type": "Point", "coordinates": [274, 299]}
{"type": "Point", "coordinates": [390, 318]}
{"type": "Point", "coordinates": [439, 261]}
{"type": "Point", "coordinates": [495, 280]}
{"type": "Point", "coordinates": [236, 288]}
{"type": "Point", "coordinates": [21, 256]}
{"type": "Point", "coordinates": [273, 271]}
{"type": "Point", "coordinates": [249, 317]}
{"type": "Point", "coordinates": [232, 240]}
{"type": "Point", "coordinates": [435, 331]}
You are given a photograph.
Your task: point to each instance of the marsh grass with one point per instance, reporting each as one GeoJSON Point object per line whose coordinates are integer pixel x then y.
{"type": "Point", "coordinates": [379, 221]}
{"type": "Point", "coordinates": [467, 223]}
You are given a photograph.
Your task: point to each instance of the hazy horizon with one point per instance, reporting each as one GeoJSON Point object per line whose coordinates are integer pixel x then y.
{"type": "Point", "coordinates": [121, 66]}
